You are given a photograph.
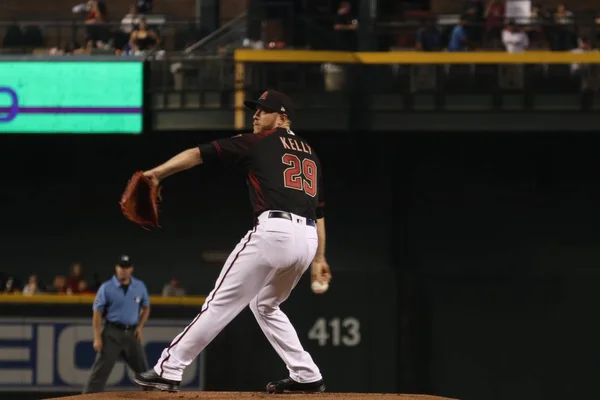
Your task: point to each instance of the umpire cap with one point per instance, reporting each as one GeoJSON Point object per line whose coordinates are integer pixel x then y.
{"type": "Point", "coordinates": [273, 101]}
{"type": "Point", "coordinates": [124, 261]}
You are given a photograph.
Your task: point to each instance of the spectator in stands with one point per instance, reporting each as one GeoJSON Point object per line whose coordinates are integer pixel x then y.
{"type": "Point", "coordinates": [143, 39]}
{"type": "Point", "coordinates": [459, 40]}
{"type": "Point", "coordinates": [64, 48]}
{"type": "Point", "coordinates": [562, 37]}
{"type": "Point", "coordinates": [539, 29]}
{"type": "Point", "coordinates": [59, 285]}
{"type": "Point", "coordinates": [131, 20]}
{"type": "Point", "coordinates": [10, 283]}
{"type": "Point", "coordinates": [474, 9]}
{"type": "Point", "coordinates": [83, 7]}
{"type": "Point", "coordinates": [345, 25]}
{"type": "Point", "coordinates": [72, 284]}
{"type": "Point", "coordinates": [515, 40]}
{"type": "Point", "coordinates": [97, 13]}
{"type": "Point", "coordinates": [562, 15]}
{"type": "Point", "coordinates": [83, 288]}
{"type": "Point", "coordinates": [428, 38]}
{"type": "Point", "coordinates": [97, 31]}
{"type": "Point", "coordinates": [172, 289]}
{"type": "Point", "coordinates": [584, 45]}
{"type": "Point", "coordinates": [473, 12]}
{"type": "Point", "coordinates": [589, 74]}
{"type": "Point", "coordinates": [129, 23]}
{"type": "Point", "coordinates": [494, 20]}
{"type": "Point", "coordinates": [32, 287]}
{"type": "Point", "coordinates": [144, 6]}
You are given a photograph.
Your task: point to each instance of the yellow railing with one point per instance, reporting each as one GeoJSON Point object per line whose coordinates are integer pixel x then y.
{"type": "Point", "coordinates": [89, 299]}
{"type": "Point", "coordinates": [243, 56]}
{"type": "Point", "coordinates": [415, 57]}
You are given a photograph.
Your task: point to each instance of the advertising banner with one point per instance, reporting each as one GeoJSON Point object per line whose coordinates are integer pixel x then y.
{"type": "Point", "coordinates": [71, 95]}
{"type": "Point", "coordinates": [56, 354]}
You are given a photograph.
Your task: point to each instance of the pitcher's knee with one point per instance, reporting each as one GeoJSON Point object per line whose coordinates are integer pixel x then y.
{"type": "Point", "coordinates": [263, 309]}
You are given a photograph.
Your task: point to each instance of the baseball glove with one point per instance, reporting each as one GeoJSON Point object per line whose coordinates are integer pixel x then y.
{"type": "Point", "coordinates": [139, 202]}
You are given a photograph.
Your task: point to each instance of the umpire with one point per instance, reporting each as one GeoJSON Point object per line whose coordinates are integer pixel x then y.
{"type": "Point", "coordinates": [123, 301]}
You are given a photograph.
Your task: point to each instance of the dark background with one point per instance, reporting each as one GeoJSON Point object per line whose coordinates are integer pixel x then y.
{"type": "Point", "coordinates": [471, 259]}
{"type": "Point", "coordinates": [500, 232]}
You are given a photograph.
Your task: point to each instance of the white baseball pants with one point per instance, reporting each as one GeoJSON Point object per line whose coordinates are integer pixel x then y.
{"type": "Point", "coordinates": [262, 271]}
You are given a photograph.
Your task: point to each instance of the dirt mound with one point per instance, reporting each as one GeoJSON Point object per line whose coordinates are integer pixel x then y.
{"type": "Point", "coordinates": [245, 396]}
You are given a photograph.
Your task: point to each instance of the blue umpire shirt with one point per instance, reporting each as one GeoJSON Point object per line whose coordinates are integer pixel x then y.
{"type": "Point", "coordinates": [120, 307]}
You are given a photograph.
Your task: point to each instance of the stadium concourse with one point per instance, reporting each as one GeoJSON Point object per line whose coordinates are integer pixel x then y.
{"type": "Point", "coordinates": [246, 396]}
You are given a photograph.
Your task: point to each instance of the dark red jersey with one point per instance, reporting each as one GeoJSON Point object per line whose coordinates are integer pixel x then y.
{"type": "Point", "coordinates": [282, 170]}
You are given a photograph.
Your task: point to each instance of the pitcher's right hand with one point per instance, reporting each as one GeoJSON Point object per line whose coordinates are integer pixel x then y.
{"type": "Point", "coordinates": [320, 271]}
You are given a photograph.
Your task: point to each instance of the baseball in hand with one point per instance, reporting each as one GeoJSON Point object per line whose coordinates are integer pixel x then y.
{"type": "Point", "coordinates": [318, 287]}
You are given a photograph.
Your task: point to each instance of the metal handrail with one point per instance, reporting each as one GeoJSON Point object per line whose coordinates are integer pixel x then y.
{"type": "Point", "coordinates": [216, 33]}
{"type": "Point", "coordinates": [583, 22]}
{"type": "Point", "coordinates": [78, 22]}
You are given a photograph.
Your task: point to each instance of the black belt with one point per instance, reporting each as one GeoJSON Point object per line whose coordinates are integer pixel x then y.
{"type": "Point", "coordinates": [121, 326]}
{"type": "Point", "coordinates": [287, 215]}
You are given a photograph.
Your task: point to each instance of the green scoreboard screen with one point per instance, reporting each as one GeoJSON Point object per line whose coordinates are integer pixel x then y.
{"type": "Point", "coordinates": [62, 94]}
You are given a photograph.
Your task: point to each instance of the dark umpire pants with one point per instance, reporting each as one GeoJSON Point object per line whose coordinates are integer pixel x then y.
{"type": "Point", "coordinates": [117, 341]}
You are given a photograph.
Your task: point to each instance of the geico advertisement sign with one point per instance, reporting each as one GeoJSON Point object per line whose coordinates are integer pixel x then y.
{"type": "Point", "coordinates": [57, 354]}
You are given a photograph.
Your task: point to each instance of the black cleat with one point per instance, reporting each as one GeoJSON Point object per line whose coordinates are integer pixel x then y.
{"type": "Point", "coordinates": [289, 385]}
{"type": "Point", "coordinates": [150, 379]}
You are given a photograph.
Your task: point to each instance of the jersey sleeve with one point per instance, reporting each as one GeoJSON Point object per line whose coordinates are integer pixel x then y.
{"type": "Point", "coordinates": [145, 297]}
{"type": "Point", "coordinates": [100, 300]}
{"type": "Point", "coordinates": [321, 197]}
{"type": "Point", "coordinates": [232, 152]}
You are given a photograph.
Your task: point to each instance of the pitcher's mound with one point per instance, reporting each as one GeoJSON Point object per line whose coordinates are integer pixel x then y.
{"type": "Point", "coordinates": [245, 396]}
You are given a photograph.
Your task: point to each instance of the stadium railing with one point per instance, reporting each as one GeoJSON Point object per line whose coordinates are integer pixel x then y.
{"type": "Point", "coordinates": [408, 74]}
{"type": "Point", "coordinates": [332, 79]}
{"type": "Point", "coordinates": [48, 298]}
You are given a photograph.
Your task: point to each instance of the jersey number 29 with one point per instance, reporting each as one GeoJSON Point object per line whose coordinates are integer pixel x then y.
{"type": "Point", "coordinates": [301, 175]}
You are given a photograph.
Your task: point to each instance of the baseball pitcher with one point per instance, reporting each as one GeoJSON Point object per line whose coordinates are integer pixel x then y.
{"type": "Point", "coordinates": [285, 182]}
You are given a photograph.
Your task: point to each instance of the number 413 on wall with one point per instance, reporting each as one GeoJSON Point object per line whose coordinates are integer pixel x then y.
{"type": "Point", "coordinates": [344, 332]}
